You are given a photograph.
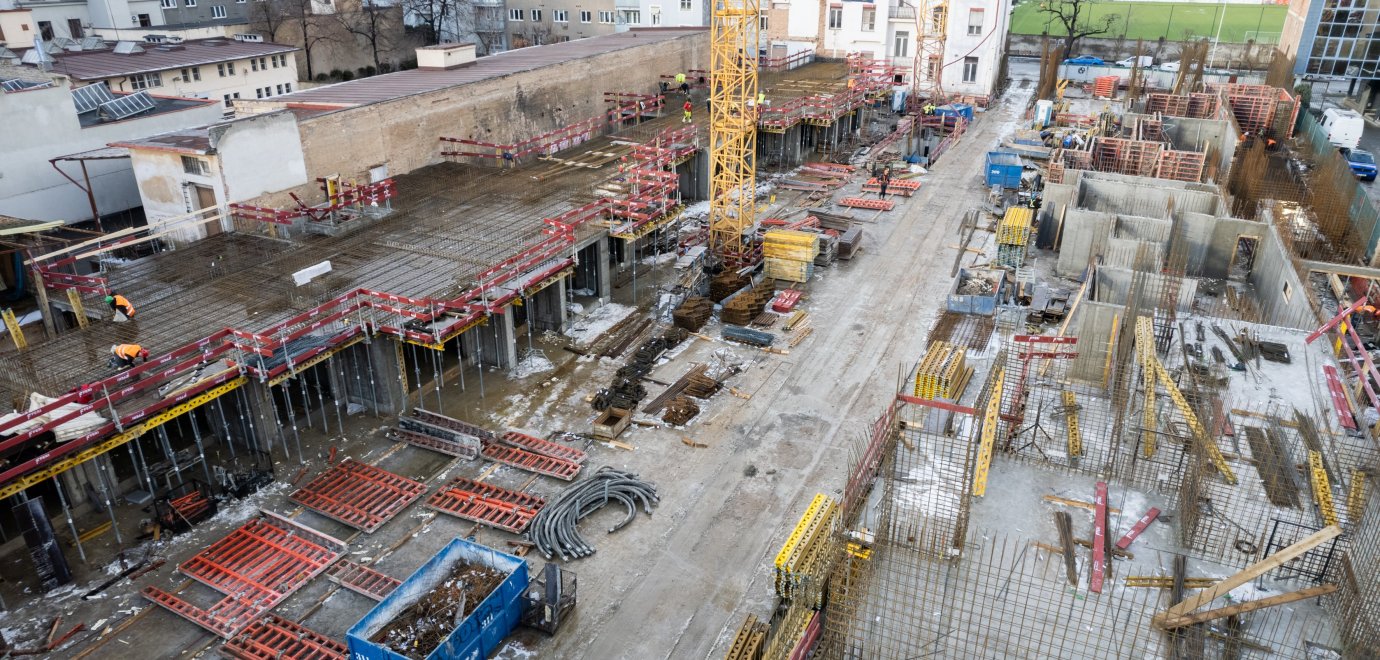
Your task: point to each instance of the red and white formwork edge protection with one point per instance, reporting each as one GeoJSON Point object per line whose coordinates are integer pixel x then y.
{"type": "Point", "coordinates": [359, 495]}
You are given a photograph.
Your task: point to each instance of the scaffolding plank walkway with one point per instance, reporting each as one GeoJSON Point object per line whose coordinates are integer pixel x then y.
{"type": "Point", "coordinates": [257, 567]}
{"type": "Point", "coordinates": [276, 638]}
{"type": "Point", "coordinates": [362, 580]}
{"type": "Point", "coordinates": [485, 504]}
{"type": "Point", "coordinates": [359, 495]}
{"type": "Point", "coordinates": [522, 459]}
{"type": "Point", "coordinates": [544, 447]}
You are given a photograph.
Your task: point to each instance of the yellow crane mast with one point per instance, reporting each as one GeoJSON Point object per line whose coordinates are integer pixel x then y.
{"type": "Point", "coordinates": [932, 24]}
{"type": "Point", "coordinates": [733, 131]}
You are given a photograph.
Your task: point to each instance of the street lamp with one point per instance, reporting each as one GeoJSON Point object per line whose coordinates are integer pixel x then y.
{"type": "Point", "coordinates": [1222, 17]}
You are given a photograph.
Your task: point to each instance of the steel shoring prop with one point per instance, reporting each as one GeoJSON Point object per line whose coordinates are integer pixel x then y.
{"type": "Point", "coordinates": [71, 524]}
{"type": "Point", "coordinates": [320, 400]}
{"type": "Point", "coordinates": [247, 421]}
{"type": "Point", "coordinates": [138, 451]}
{"type": "Point", "coordinates": [200, 447]}
{"type": "Point", "coordinates": [278, 423]}
{"type": "Point", "coordinates": [416, 371]}
{"type": "Point", "coordinates": [225, 426]}
{"type": "Point", "coordinates": [292, 417]}
{"type": "Point", "coordinates": [169, 454]}
{"type": "Point", "coordinates": [105, 495]}
{"type": "Point", "coordinates": [438, 376]}
{"type": "Point", "coordinates": [306, 401]}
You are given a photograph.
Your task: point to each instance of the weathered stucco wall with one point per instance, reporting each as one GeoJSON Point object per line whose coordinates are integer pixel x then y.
{"type": "Point", "coordinates": [404, 133]}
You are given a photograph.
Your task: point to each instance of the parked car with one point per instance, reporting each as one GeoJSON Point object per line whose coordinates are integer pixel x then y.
{"type": "Point", "coordinates": [1362, 163]}
{"type": "Point", "coordinates": [1168, 66]}
{"type": "Point", "coordinates": [1343, 127]}
{"type": "Point", "coordinates": [1085, 60]}
{"type": "Point", "coordinates": [1145, 61]}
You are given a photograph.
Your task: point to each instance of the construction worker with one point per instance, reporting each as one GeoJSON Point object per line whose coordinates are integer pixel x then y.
{"type": "Point", "coordinates": [687, 107]}
{"type": "Point", "coordinates": [120, 305]}
{"type": "Point", "coordinates": [929, 108]}
{"type": "Point", "coordinates": [682, 84]}
{"type": "Point", "coordinates": [884, 180]}
{"type": "Point", "coordinates": [123, 356]}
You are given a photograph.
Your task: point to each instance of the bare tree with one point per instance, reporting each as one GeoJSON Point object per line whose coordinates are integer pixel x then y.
{"type": "Point", "coordinates": [373, 23]}
{"type": "Point", "coordinates": [1076, 18]}
{"type": "Point", "coordinates": [439, 20]}
{"type": "Point", "coordinates": [293, 21]}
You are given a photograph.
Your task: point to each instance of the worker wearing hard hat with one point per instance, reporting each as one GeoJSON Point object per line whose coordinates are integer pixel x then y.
{"type": "Point", "coordinates": [119, 304]}
{"type": "Point", "coordinates": [124, 356]}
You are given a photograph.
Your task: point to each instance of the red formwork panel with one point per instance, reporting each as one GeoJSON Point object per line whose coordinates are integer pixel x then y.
{"type": "Point", "coordinates": [362, 580]}
{"type": "Point", "coordinates": [437, 419]}
{"type": "Point", "coordinates": [505, 509]}
{"type": "Point", "coordinates": [522, 459]}
{"type": "Point", "coordinates": [433, 443]}
{"type": "Point", "coordinates": [359, 495]}
{"type": "Point", "coordinates": [257, 567]}
{"type": "Point", "coordinates": [276, 638]}
{"type": "Point", "coordinates": [543, 447]}
{"type": "Point", "coordinates": [863, 203]}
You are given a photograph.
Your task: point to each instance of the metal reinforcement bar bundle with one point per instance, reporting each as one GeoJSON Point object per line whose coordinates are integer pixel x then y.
{"type": "Point", "coordinates": [941, 374]}
{"type": "Point", "coordinates": [554, 530]}
{"type": "Point", "coordinates": [1013, 235]}
{"type": "Point", "coordinates": [800, 563]}
{"type": "Point", "coordinates": [790, 254]}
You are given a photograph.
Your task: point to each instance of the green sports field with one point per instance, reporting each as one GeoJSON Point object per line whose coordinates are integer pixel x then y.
{"type": "Point", "coordinates": [1175, 21]}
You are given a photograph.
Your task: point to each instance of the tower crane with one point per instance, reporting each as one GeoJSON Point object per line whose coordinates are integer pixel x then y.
{"type": "Point", "coordinates": [733, 132]}
{"type": "Point", "coordinates": [932, 25]}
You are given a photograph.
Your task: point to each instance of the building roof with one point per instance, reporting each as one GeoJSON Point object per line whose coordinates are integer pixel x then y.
{"type": "Point", "coordinates": [391, 86]}
{"type": "Point", "coordinates": [93, 65]}
{"type": "Point", "coordinates": [196, 140]}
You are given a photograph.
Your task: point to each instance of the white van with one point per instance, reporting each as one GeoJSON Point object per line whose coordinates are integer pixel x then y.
{"type": "Point", "coordinates": [1343, 127]}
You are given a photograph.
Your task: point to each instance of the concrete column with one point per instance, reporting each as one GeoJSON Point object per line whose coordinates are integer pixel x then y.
{"type": "Point", "coordinates": [389, 376]}
{"type": "Point", "coordinates": [268, 428]}
{"type": "Point", "coordinates": [605, 272]}
{"type": "Point", "coordinates": [497, 341]}
{"type": "Point", "coordinates": [546, 310]}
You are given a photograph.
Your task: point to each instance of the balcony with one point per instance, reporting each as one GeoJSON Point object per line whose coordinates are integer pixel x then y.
{"type": "Point", "coordinates": [904, 13]}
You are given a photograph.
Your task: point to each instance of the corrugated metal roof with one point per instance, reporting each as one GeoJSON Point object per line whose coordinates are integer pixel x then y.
{"type": "Point", "coordinates": [417, 81]}
{"type": "Point", "coordinates": [188, 140]}
{"type": "Point", "coordinates": [94, 65]}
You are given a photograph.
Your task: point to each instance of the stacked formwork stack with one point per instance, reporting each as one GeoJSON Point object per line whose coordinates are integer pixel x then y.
{"type": "Point", "coordinates": [943, 373]}
{"type": "Point", "coordinates": [790, 254]}
{"type": "Point", "coordinates": [1013, 236]}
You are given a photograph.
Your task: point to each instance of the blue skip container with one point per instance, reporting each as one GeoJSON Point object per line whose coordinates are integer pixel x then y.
{"type": "Point", "coordinates": [478, 634]}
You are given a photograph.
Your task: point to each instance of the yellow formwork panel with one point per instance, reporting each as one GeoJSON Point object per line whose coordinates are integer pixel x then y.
{"type": "Point", "coordinates": [989, 437]}
{"type": "Point", "coordinates": [1322, 490]}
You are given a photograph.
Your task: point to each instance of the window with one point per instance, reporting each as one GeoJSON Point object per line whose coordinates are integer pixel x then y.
{"type": "Point", "coordinates": [225, 69]}
{"type": "Point", "coordinates": [253, 64]}
{"type": "Point", "coordinates": [197, 166]}
{"type": "Point", "coordinates": [685, 5]}
{"type": "Point", "coordinates": [560, 15]}
{"type": "Point", "coordinates": [515, 14]}
{"type": "Point", "coordinates": [189, 75]}
{"type": "Point", "coordinates": [762, 22]}
{"type": "Point", "coordinates": [169, 4]}
{"type": "Point", "coordinates": [586, 17]}
{"type": "Point", "coordinates": [217, 11]}
{"type": "Point", "coordinates": [258, 92]}
{"type": "Point", "coordinates": [287, 88]}
{"type": "Point", "coordinates": [227, 100]}
{"type": "Point", "coordinates": [901, 48]}
{"type": "Point", "coordinates": [536, 14]}
{"type": "Point", "coordinates": [869, 20]}
{"type": "Point", "coordinates": [140, 81]}
{"type": "Point", "coordinates": [656, 14]}
{"type": "Point", "coordinates": [835, 18]}
{"type": "Point", "coordinates": [632, 16]}
{"type": "Point", "coordinates": [74, 28]}
{"type": "Point", "coordinates": [189, 3]}
{"type": "Point", "coordinates": [45, 30]}
{"type": "Point", "coordinates": [143, 20]}
{"type": "Point", "coordinates": [606, 17]}
{"type": "Point", "coordinates": [970, 69]}
{"type": "Point", "coordinates": [974, 22]}
{"type": "Point", "coordinates": [278, 88]}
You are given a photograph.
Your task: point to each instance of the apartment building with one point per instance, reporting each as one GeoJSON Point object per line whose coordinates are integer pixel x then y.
{"type": "Point", "coordinates": [218, 69]}
{"type": "Point", "coordinates": [541, 22]}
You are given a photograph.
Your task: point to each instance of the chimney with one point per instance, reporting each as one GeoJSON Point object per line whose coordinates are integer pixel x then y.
{"type": "Point", "coordinates": [442, 57]}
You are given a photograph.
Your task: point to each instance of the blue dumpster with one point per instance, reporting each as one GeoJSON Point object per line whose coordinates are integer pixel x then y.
{"type": "Point", "coordinates": [1004, 169]}
{"type": "Point", "coordinates": [478, 634]}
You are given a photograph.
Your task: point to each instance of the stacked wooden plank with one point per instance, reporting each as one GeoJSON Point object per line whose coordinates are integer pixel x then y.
{"type": "Point", "coordinates": [744, 306]}
{"type": "Point", "coordinates": [693, 313]}
{"type": "Point", "coordinates": [849, 242]}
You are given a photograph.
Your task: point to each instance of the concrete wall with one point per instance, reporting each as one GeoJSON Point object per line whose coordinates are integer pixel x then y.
{"type": "Point", "coordinates": [31, 188]}
{"type": "Point", "coordinates": [1118, 193]}
{"type": "Point", "coordinates": [167, 190]}
{"type": "Point", "coordinates": [403, 134]}
{"type": "Point", "coordinates": [1283, 298]}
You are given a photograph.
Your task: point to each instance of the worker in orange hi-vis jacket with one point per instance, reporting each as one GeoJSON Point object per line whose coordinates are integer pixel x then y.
{"type": "Point", "coordinates": [119, 304]}
{"type": "Point", "coordinates": [124, 356]}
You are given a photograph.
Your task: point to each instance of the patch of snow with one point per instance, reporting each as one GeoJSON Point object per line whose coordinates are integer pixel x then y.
{"type": "Point", "coordinates": [923, 489]}
{"type": "Point", "coordinates": [1249, 592]}
{"type": "Point", "coordinates": [534, 363]}
{"type": "Point", "coordinates": [598, 321]}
